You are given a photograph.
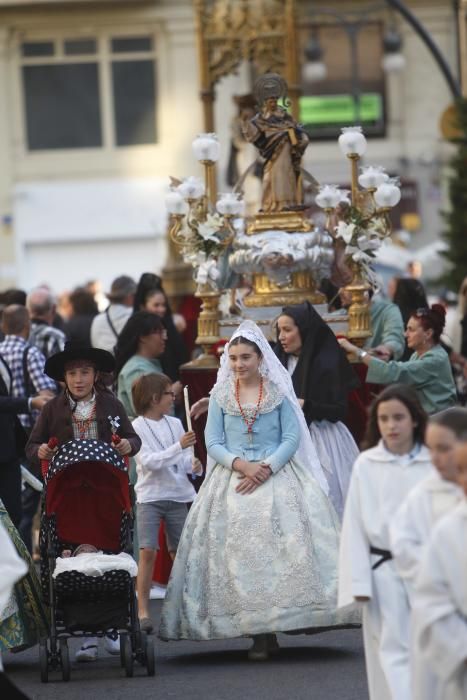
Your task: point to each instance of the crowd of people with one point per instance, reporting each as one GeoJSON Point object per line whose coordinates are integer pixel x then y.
{"type": "Point", "coordinates": [296, 527]}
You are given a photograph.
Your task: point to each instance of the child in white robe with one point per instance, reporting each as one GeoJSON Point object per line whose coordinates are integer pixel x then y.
{"type": "Point", "coordinates": [411, 527]}
{"type": "Point", "coordinates": [382, 477]}
{"type": "Point", "coordinates": [440, 597]}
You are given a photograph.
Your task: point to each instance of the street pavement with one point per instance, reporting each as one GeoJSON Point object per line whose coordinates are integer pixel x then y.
{"type": "Point", "coordinates": [317, 667]}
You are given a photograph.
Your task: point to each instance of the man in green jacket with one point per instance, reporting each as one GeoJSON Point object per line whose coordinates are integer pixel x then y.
{"type": "Point", "coordinates": [387, 327]}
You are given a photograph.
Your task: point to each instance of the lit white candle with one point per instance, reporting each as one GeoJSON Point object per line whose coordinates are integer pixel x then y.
{"type": "Point", "coordinates": [187, 408]}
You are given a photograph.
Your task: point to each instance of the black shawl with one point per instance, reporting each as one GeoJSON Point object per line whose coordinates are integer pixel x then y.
{"type": "Point", "coordinates": [323, 376]}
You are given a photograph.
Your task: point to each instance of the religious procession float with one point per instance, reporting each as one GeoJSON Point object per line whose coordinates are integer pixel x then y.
{"type": "Point", "coordinates": [251, 266]}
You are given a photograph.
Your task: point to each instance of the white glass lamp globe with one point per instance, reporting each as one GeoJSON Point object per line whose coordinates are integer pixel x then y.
{"type": "Point", "coordinates": [191, 188]}
{"type": "Point", "coordinates": [352, 141]}
{"type": "Point", "coordinates": [372, 177]}
{"type": "Point", "coordinates": [175, 203]}
{"type": "Point", "coordinates": [393, 62]}
{"type": "Point", "coordinates": [388, 195]}
{"type": "Point", "coordinates": [314, 71]}
{"type": "Point", "coordinates": [229, 205]}
{"type": "Point", "coordinates": [206, 147]}
{"type": "Point", "coordinates": [328, 197]}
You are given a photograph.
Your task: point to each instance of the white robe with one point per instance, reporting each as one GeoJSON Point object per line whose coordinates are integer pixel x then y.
{"type": "Point", "coordinates": [440, 605]}
{"type": "Point", "coordinates": [380, 482]}
{"type": "Point", "coordinates": [414, 520]}
{"type": "Point", "coordinates": [410, 531]}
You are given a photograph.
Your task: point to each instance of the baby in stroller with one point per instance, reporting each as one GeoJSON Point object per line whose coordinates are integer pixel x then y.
{"type": "Point", "coordinates": [86, 410]}
{"type": "Point", "coordinates": [81, 549]}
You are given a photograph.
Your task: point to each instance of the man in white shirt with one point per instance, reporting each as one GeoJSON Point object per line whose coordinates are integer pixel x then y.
{"type": "Point", "coordinates": [41, 305]}
{"type": "Point", "coordinates": [106, 326]}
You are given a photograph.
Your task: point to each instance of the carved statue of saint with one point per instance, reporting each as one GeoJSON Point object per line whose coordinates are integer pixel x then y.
{"type": "Point", "coordinates": [281, 142]}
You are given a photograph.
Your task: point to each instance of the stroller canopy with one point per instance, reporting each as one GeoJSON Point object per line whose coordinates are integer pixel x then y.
{"type": "Point", "coordinates": [87, 492]}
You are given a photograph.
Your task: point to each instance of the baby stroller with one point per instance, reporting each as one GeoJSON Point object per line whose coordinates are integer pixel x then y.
{"type": "Point", "coordinates": [87, 500]}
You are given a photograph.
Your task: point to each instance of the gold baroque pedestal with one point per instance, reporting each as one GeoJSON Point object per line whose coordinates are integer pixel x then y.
{"type": "Point", "coordinates": [267, 293]}
{"type": "Point", "coordinates": [302, 286]}
{"type": "Point", "coordinates": [208, 326]}
{"type": "Point", "coordinates": [359, 310]}
{"type": "Point", "coordinates": [288, 221]}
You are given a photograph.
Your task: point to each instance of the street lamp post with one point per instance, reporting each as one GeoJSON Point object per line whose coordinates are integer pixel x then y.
{"type": "Point", "coordinates": [392, 43]}
{"type": "Point", "coordinates": [352, 22]}
{"type": "Point", "coordinates": [425, 36]}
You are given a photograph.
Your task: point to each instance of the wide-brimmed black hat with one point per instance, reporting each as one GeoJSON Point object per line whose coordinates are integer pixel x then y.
{"type": "Point", "coordinates": [102, 360]}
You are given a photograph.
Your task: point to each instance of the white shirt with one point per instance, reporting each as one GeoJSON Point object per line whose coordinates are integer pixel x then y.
{"type": "Point", "coordinates": [102, 335]}
{"type": "Point", "coordinates": [162, 472]}
{"type": "Point", "coordinates": [379, 483]}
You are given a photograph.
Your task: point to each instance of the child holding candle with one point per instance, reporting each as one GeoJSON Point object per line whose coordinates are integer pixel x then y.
{"type": "Point", "coordinates": [162, 488]}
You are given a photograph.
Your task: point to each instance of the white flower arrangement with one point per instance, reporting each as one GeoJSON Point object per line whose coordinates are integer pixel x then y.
{"type": "Point", "coordinates": [361, 235]}
{"type": "Point", "coordinates": [202, 241]}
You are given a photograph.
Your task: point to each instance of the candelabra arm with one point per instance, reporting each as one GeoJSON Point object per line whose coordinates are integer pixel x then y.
{"type": "Point", "coordinates": [210, 184]}
{"type": "Point", "coordinates": [371, 192]}
{"type": "Point", "coordinates": [329, 212]}
{"type": "Point", "coordinates": [175, 228]}
{"type": "Point", "coordinates": [354, 160]}
{"type": "Point", "coordinates": [387, 221]}
{"type": "Point", "coordinates": [229, 226]}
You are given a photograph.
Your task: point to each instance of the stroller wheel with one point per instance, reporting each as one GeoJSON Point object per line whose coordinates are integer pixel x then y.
{"type": "Point", "coordinates": [122, 637]}
{"type": "Point", "coordinates": [44, 660]}
{"type": "Point", "coordinates": [149, 654]}
{"type": "Point", "coordinates": [128, 657]}
{"type": "Point", "coordinates": [65, 659]}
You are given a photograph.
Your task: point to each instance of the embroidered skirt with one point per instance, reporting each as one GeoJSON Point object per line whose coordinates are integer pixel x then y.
{"type": "Point", "coordinates": [256, 563]}
{"type": "Point", "coordinates": [24, 618]}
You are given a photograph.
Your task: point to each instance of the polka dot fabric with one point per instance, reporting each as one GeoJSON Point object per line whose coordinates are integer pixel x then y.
{"type": "Point", "coordinates": [76, 451]}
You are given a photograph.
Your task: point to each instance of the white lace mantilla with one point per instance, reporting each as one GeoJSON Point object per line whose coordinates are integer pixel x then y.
{"type": "Point", "coordinates": [224, 394]}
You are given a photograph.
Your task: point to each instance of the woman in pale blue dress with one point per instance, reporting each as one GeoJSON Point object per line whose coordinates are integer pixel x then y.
{"type": "Point", "coordinates": [258, 553]}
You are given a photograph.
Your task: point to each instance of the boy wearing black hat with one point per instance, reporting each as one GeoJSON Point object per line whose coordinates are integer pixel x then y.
{"type": "Point", "coordinates": [85, 410]}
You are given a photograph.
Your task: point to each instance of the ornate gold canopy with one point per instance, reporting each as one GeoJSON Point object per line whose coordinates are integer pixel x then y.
{"type": "Point", "coordinates": [232, 31]}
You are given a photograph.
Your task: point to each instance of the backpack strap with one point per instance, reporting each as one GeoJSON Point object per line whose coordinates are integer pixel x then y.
{"type": "Point", "coordinates": [6, 376]}
{"type": "Point", "coordinates": [111, 325]}
{"type": "Point", "coordinates": [28, 385]}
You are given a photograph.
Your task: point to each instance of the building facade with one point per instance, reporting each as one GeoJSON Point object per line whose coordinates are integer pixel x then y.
{"type": "Point", "coordinates": [101, 103]}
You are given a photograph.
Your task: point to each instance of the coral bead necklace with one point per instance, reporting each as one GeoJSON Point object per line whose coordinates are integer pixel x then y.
{"type": "Point", "coordinates": [249, 422]}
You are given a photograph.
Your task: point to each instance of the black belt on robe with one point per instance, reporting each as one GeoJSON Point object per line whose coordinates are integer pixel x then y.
{"type": "Point", "coordinates": [385, 555]}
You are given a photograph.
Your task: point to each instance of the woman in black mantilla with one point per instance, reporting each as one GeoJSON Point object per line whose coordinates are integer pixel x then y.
{"type": "Point", "coordinates": [322, 378]}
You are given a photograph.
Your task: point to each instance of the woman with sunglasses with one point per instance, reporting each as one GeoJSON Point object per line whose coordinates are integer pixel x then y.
{"type": "Point", "coordinates": [428, 370]}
